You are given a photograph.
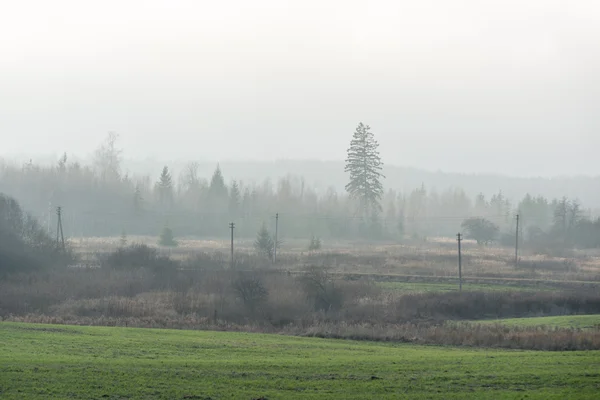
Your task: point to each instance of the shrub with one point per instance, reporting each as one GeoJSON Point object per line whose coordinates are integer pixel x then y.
{"type": "Point", "coordinates": [250, 290]}
{"type": "Point", "coordinates": [320, 289]}
{"type": "Point", "coordinates": [315, 244]}
{"type": "Point", "coordinates": [480, 229]}
{"type": "Point", "coordinates": [166, 238]}
{"type": "Point", "coordinates": [507, 239]}
{"type": "Point", "coordinates": [482, 305]}
{"type": "Point", "coordinates": [136, 256]}
{"type": "Point", "coordinates": [204, 261]}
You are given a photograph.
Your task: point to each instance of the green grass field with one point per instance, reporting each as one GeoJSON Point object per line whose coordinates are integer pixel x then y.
{"type": "Point", "coordinates": [451, 287]}
{"type": "Point", "coordinates": [566, 321]}
{"type": "Point", "coordinates": [64, 362]}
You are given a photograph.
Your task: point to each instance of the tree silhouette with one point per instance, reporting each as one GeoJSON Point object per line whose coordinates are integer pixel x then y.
{"type": "Point", "coordinates": [264, 243]}
{"type": "Point", "coordinates": [138, 200]}
{"type": "Point", "coordinates": [217, 189]}
{"type": "Point", "coordinates": [234, 199]}
{"type": "Point", "coordinates": [107, 158]}
{"type": "Point", "coordinates": [364, 165]}
{"type": "Point", "coordinates": [165, 187]}
{"type": "Point", "coordinates": [167, 238]}
{"type": "Point", "coordinates": [480, 229]}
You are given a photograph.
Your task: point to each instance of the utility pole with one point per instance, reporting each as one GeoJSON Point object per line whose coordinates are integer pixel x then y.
{"type": "Point", "coordinates": [232, 227]}
{"type": "Point", "coordinates": [517, 244]}
{"type": "Point", "coordinates": [276, 239]}
{"type": "Point", "coordinates": [48, 218]}
{"type": "Point", "coordinates": [59, 229]}
{"type": "Point", "coordinates": [459, 239]}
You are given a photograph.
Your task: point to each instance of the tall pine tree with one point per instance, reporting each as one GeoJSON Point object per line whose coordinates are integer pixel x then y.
{"type": "Point", "coordinates": [164, 186]}
{"type": "Point", "coordinates": [235, 198]}
{"type": "Point", "coordinates": [138, 200]}
{"type": "Point", "coordinates": [364, 165]}
{"type": "Point", "coordinates": [217, 189]}
{"type": "Point", "coordinates": [218, 196]}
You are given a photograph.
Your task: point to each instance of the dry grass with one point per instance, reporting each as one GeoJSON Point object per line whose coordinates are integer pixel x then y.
{"type": "Point", "coordinates": [435, 258]}
{"type": "Point", "coordinates": [194, 289]}
{"type": "Point", "coordinates": [451, 334]}
{"type": "Point", "coordinates": [210, 294]}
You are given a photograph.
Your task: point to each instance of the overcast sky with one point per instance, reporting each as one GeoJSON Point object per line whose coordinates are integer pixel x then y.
{"type": "Point", "coordinates": [506, 86]}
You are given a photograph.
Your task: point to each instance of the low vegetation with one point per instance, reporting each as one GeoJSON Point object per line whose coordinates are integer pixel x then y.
{"type": "Point", "coordinates": [334, 294]}
{"type": "Point", "coordinates": [137, 286]}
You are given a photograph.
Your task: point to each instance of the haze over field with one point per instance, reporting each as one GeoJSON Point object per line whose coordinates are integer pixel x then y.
{"type": "Point", "coordinates": [377, 178]}
{"type": "Point", "coordinates": [509, 87]}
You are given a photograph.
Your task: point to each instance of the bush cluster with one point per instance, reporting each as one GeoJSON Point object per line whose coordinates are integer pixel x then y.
{"type": "Point", "coordinates": [24, 245]}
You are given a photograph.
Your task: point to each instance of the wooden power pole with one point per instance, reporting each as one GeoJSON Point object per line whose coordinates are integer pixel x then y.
{"type": "Point", "coordinates": [459, 239]}
{"type": "Point", "coordinates": [517, 244]}
{"type": "Point", "coordinates": [60, 237]}
{"type": "Point", "coordinates": [276, 238]}
{"type": "Point", "coordinates": [232, 227]}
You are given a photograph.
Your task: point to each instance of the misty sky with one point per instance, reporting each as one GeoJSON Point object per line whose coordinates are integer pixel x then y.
{"type": "Point", "coordinates": [473, 86]}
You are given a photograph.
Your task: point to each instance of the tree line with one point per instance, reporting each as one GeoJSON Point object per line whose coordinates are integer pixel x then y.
{"type": "Point", "coordinates": [99, 199]}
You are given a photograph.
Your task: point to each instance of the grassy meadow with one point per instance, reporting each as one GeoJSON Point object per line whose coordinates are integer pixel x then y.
{"type": "Point", "coordinates": [66, 362]}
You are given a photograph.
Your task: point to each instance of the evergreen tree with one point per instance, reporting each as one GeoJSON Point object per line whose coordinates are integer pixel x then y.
{"type": "Point", "coordinates": [234, 199]}
{"type": "Point", "coordinates": [123, 239]}
{"type": "Point", "coordinates": [167, 238]}
{"type": "Point", "coordinates": [217, 189]}
{"type": "Point", "coordinates": [364, 165]}
{"type": "Point", "coordinates": [165, 187]}
{"type": "Point", "coordinates": [400, 224]}
{"type": "Point", "coordinates": [264, 243]}
{"type": "Point", "coordinates": [375, 226]}
{"type": "Point", "coordinates": [315, 243]}
{"type": "Point", "coordinates": [138, 200]}
{"type": "Point", "coordinates": [481, 205]}
{"type": "Point", "coordinates": [401, 214]}
{"type": "Point", "coordinates": [390, 217]}
{"type": "Point", "coordinates": [247, 202]}
{"type": "Point", "coordinates": [535, 212]}
{"type": "Point", "coordinates": [416, 211]}
{"type": "Point", "coordinates": [500, 205]}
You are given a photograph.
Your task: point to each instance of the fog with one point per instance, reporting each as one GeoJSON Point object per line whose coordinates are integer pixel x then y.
{"type": "Point", "coordinates": [509, 87]}
{"type": "Point", "coordinates": [391, 173]}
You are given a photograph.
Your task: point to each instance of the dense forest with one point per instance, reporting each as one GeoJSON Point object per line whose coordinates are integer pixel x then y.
{"type": "Point", "coordinates": [99, 199]}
